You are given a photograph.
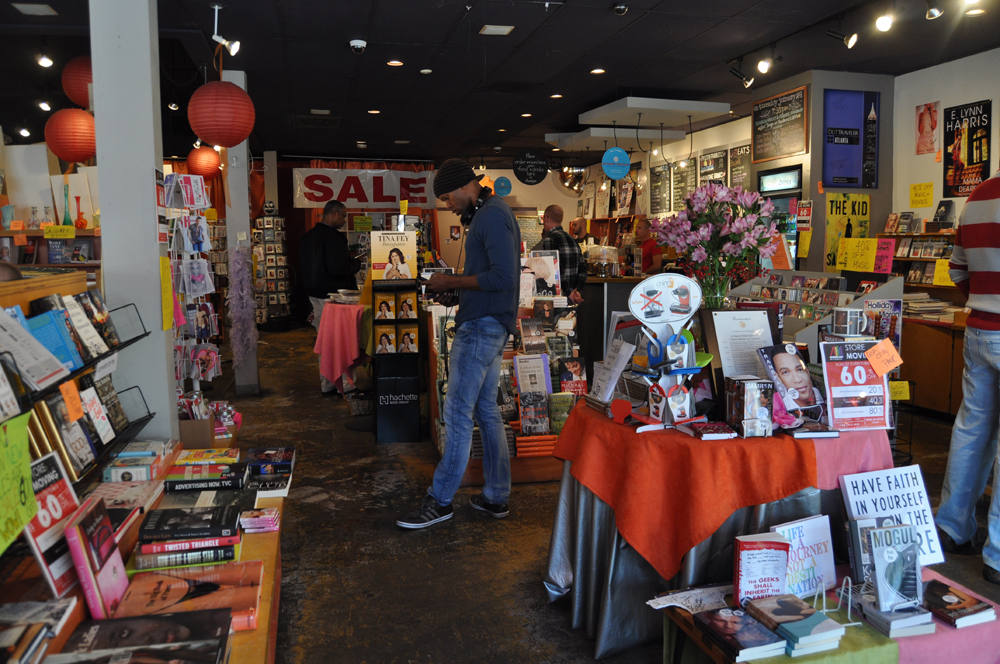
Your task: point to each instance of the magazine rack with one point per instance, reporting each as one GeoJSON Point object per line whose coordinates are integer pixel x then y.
{"type": "Point", "coordinates": [397, 383]}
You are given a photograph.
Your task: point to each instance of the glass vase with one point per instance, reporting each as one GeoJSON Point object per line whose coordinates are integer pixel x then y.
{"type": "Point", "coordinates": [715, 284]}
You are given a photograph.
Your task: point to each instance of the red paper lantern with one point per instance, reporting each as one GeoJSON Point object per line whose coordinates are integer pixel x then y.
{"type": "Point", "coordinates": [70, 135]}
{"type": "Point", "coordinates": [76, 76]}
{"type": "Point", "coordinates": [203, 161]}
{"type": "Point", "coordinates": [221, 113]}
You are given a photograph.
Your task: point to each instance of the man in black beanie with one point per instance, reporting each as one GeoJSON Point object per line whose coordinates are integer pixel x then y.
{"type": "Point", "coordinates": [488, 292]}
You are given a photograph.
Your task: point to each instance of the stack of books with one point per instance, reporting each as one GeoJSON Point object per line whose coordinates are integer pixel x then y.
{"type": "Point", "coordinates": [26, 627]}
{"type": "Point", "coordinates": [186, 537]}
{"type": "Point", "coordinates": [739, 635]}
{"type": "Point", "coordinates": [536, 446]}
{"type": "Point", "coordinates": [270, 470]}
{"type": "Point", "coordinates": [142, 461]}
{"type": "Point", "coordinates": [267, 520]}
{"type": "Point", "coordinates": [805, 629]}
{"type": "Point", "coordinates": [910, 621]}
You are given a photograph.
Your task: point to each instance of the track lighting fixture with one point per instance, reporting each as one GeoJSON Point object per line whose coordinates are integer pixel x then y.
{"type": "Point", "coordinates": [44, 61]}
{"type": "Point", "coordinates": [232, 46]}
{"type": "Point", "coordinates": [884, 22]}
{"type": "Point", "coordinates": [24, 132]}
{"type": "Point", "coordinates": [933, 10]}
{"type": "Point", "coordinates": [44, 105]}
{"type": "Point", "coordinates": [747, 82]}
{"type": "Point", "coordinates": [197, 143]}
{"type": "Point", "coordinates": [849, 40]}
{"type": "Point", "coordinates": [173, 106]}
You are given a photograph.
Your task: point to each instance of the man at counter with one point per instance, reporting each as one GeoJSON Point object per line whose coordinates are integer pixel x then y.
{"type": "Point", "coordinates": [572, 266]}
{"type": "Point", "coordinates": [652, 258]}
{"type": "Point", "coordinates": [327, 265]}
{"type": "Point", "coordinates": [487, 314]}
{"type": "Point", "coordinates": [578, 229]}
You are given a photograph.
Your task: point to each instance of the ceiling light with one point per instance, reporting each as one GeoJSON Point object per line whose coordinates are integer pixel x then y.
{"type": "Point", "coordinates": [482, 166]}
{"type": "Point", "coordinates": [425, 71]}
{"type": "Point", "coordinates": [975, 12]}
{"type": "Point", "coordinates": [362, 145]}
{"type": "Point", "coordinates": [395, 63]}
{"type": "Point", "coordinates": [556, 96]}
{"type": "Point", "coordinates": [172, 106]}
{"type": "Point", "coordinates": [217, 148]}
{"type": "Point", "coordinates": [374, 112]}
{"type": "Point", "coordinates": [44, 60]}
{"type": "Point", "coordinates": [555, 149]}
{"type": "Point", "coordinates": [764, 65]}
{"type": "Point", "coordinates": [24, 132]}
{"type": "Point", "coordinates": [597, 71]}
{"type": "Point", "coordinates": [747, 82]}
{"type": "Point", "coordinates": [565, 169]}
{"type": "Point", "coordinates": [656, 152]}
{"type": "Point", "coordinates": [683, 163]}
{"type": "Point", "coordinates": [884, 22]}
{"type": "Point", "coordinates": [44, 105]}
{"type": "Point", "coordinates": [933, 10]}
{"type": "Point", "coordinates": [401, 142]}
{"type": "Point", "coordinates": [501, 130]}
{"type": "Point", "coordinates": [319, 111]}
{"type": "Point", "coordinates": [197, 143]}
{"type": "Point", "coordinates": [525, 115]}
{"type": "Point", "coordinates": [30, 9]}
{"type": "Point", "coordinates": [232, 46]}
{"type": "Point", "coordinates": [498, 30]}
{"type": "Point", "coordinates": [849, 40]}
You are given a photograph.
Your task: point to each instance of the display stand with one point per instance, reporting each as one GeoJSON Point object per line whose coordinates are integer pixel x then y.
{"type": "Point", "coordinates": [272, 278]}
{"type": "Point", "coordinates": [397, 383]}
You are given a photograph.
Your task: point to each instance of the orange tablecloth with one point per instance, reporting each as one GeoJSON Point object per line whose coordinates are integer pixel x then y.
{"type": "Point", "coordinates": [670, 491]}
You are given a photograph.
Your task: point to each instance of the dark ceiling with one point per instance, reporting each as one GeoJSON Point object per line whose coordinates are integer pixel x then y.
{"type": "Point", "coordinates": [297, 58]}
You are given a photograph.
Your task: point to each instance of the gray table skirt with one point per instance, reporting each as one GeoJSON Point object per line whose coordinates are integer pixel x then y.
{"type": "Point", "coordinates": [607, 583]}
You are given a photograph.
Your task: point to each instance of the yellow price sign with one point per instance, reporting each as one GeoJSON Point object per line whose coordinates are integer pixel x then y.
{"type": "Point", "coordinates": [857, 254]}
{"type": "Point", "coordinates": [404, 207]}
{"type": "Point", "coordinates": [59, 232]}
{"type": "Point", "coordinates": [363, 223]}
{"type": "Point", "coordinates": [941, 276]}
{"type": "Point", "coordinates": [899, 390]}
{"type": "Point", "coordinates": [922, 195]}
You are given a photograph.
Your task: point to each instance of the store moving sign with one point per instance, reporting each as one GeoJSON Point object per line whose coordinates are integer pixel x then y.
{"type": "Point", "coordinates": [779, 126]}
{"type": "Point", "coordinates": [315, 187]}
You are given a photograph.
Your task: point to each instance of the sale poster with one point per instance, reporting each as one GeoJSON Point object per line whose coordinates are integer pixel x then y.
{"type": "Point", "coordinates": [855, 393]}
{"type": "Point", "coordinates": [966, 148]}
{"type": "Point", "coordinates": [927, 124]}
{"type": "Point", "coordinates": [394, 255]}
{"type": "Point", "coordinates": [847, 216]}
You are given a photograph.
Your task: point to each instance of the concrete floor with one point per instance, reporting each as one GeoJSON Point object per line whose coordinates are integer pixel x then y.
{"type": "Point", "coordinates": [357, 589]}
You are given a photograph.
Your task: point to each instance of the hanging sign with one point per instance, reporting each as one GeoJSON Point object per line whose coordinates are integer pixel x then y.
{"type": "Point", "coordinates": [502, 186]}
{"type": "Point", "coordinates": [616, 163]}
{"type": "Point", "coordinates": [531, 167]}
{"type": "Point", "coordinates": [665, 299]}
{"type": "Point", "coordinates": [804, 216]}
{"type": "Point", "coordinates": [361, 189]}
{"type": "Point", "coordinates": [856, 393]}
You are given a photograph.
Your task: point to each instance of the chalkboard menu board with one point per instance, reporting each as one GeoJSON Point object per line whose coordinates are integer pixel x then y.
{"type": "Point", "coordinates": [739, 167]}
{"type": "Point", "coordinates": [685, 181]}
{"type": "Point", "coordinates": [779, 126]}
{"type": "Point", "coordinates": [659, 189]}
{"type": "Point", "coordinates": [531, 167]}
{"type": "Point", "coordinates": [713, 167]}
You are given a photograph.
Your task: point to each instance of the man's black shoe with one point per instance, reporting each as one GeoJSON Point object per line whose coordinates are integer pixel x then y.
{"type": "Point", "coordinates": [991, 575]}
{"type": "Point", "coordinates": [427, 514]}
{"type": "Point", "coordinates": [479, 502]}
{"type": "Point", "coordinates": [970, 548]}
{"type": "Point", "coordinates": [330, 394]}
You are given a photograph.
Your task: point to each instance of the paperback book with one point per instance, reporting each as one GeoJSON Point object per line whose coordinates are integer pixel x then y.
{"type": "Point", "coordinates": [189, 522]}
{"type": "Point", "coordinates": [115, 636]}
{"type": "Point", "coordinates": [573, 375]}
{"type": "Point", "coordinates": [205, 477]}
{"type": "Point", "coordinates": [208, 457]}
{"type": "Point", "coordinates": [96, 558]}
{"type": "Point", "coordinates": [955, 605]}
{"type": "Point", "coordinates": [208, 556]}
{"type": "Point", "coordinates": [738, 635]}
{"type": "Point", "coordinates": [895, 566]}
{"type": "Point", "coordinates": [560, 404]}
{"type": "Point", "coordinates": [707, 430]}
{"type": "Point", "coordinates": [534, 413]}
{"type": "Point", "coordinates": [761, 563]}
{"type": "Point", "coordinates": [532, 335]}
{"type": "Point", "coordinates": [268, 460]}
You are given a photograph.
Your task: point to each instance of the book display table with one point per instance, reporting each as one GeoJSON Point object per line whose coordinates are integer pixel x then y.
{"type": "Point", "coordinates": [642, 513]}
{"type": "Point", "coordinates": [344, 337]}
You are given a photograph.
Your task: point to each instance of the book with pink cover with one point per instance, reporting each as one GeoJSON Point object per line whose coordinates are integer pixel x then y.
{"type": "Point", "coordinates": [235, 586]}
{"type": "Point", "coordinates": [98, 563]}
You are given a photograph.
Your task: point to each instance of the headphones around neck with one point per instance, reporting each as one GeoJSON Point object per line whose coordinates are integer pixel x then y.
{"type": "Point", "coordinates": [469, 213]}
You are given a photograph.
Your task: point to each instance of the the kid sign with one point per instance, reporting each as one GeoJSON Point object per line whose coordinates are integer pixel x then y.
{"type": "Point", "coordinates": [855, 394]}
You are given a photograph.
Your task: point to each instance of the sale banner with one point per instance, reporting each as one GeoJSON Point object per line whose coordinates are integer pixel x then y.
{"type": "Point", "coordinates": [855, 394]}
{"type": "Point", "coordinates": [363, 189]}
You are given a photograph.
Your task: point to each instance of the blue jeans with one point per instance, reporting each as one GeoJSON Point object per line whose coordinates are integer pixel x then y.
{"type": "Point", "coordinates": [974, 446]}
{"type": "Point", "coordinates": [473, 380]}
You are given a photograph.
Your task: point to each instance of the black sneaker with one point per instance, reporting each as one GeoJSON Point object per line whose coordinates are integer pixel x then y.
{"type": "Point", "coordinates": [991, 575]}
{"type": "Point", "coordinates": [479, 502]}
{"type": "Point", "coordinates": [427, 514]}
{"type": "Point", "coordinates": [970, 548]}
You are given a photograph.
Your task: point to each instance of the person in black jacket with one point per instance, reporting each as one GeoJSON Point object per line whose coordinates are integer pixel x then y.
{"type": "Point", "coordinates": [327, 265]}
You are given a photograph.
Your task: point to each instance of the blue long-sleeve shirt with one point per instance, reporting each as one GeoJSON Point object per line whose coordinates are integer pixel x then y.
{"type": "Point", "coordinates": [492, 254]}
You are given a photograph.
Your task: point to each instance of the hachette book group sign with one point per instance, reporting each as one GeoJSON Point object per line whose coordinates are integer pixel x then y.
{"type": "Point", "coordinates": [315, 187]}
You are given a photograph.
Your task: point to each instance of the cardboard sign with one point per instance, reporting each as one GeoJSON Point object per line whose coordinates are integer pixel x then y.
{"type": "Point", "coordinates": [855, 393]}
{"type": "Point", "coordinates": [17, 225]}
{"type": "Point", "coordinates": [922, 195]}
{"type": "Point", "coordinates": [74, 407]}
{"type": "Point", "coordinates": [883, 357]}
{"type": "Point", "coordinates": [899, 390]}
{"type": "Point", "coordinates": [883, 255]}
{"type": "Point", "coordinates": [20, 240]}
{"type": "Point", "coordinates": [59, 232]}
{"type": "Point", "coordinates": [804, 218]}
{"type": "Point", "coordinates": [857, 254]}
{"type": "Point", "coordinates": [941, 276]}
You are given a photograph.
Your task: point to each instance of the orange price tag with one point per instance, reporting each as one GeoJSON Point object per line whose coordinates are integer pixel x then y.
{"type": "Point", "coordinates": [883, 357]}
{"type": "Point", "coordinates": [20, 240]}
{"type": "Point", "coordinates": [819, 186]}
{"type": "Point", "coordinates": [17, 225]}
{"type": "Point", "coordinates": [97, 232]}
{"type": "Point", "coordinates": [46, 224]}
{"type": "Point", "coordinates": [937, 157]}
{"type": "Point", "coordinates": [74, 407]}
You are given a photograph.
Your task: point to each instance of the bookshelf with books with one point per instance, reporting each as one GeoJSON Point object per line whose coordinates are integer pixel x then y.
{"type": "Point", "coordinates": [914, 258]}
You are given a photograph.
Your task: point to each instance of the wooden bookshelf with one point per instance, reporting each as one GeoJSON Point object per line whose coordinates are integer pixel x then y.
{"type": "Point", "coordinates": [80, 232]}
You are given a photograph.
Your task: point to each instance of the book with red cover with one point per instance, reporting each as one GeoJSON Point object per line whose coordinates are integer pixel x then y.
{"type": "Point", "coordinates": [95, 554]}
{"type": "Point", "coordinates": [760, 566]}
{"type": "Point", "coordinates": [173, 546]}
{"type": "Point", "coordinates": [573, 375]}
{"type": "Point", "coordinates": [235, 586]}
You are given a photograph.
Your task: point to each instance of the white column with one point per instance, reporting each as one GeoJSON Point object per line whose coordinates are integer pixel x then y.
{"type": "Point", "coordinates": [237, 226]}
{"type": "Point", "coordinates": [124, 49]}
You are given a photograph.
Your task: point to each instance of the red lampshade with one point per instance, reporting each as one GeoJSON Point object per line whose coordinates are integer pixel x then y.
{"type": "Point", "coordinates": [221, 113]}
{"type": "Point", "coordinates": [76, 76]}
{"type": "Point", "coordinates": [203, 161]}
{"type": "Point", "coordinates": [70, 135]}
